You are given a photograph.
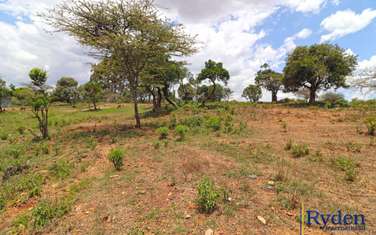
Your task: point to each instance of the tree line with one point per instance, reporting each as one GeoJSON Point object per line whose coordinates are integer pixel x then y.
{"type": "Point", "coordinates": [140, 60]}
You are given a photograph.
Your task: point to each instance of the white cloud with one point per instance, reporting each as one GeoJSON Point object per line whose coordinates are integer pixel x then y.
{"type": "Point", "coordinates": [346, 22]}
{"type": "Point", "coordinates": [227, 31]}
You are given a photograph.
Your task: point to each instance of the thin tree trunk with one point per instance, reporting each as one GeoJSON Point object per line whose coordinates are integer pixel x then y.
{"type": "Point", "coordinates": [312, 96]}
{"type": "Point", "coordinates": [165, 92]}
{"type": "Point", "coordinates": [135, 102]}
{"type": "Point", "coordinates": [274, 97]}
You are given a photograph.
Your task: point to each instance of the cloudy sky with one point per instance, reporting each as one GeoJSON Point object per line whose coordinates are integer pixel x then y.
{"type": "Point", "coordinates": [243, 34]}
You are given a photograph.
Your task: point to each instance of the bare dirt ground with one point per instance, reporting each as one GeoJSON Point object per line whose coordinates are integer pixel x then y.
{"type": "Point", "coordinates": [155, 192]}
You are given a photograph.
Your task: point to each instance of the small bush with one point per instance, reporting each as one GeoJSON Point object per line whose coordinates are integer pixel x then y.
{"type": "Point", "coordinates": [163, 133]}
{"type": "Point", "coordinates": [348, 166]}
{"type": "Point", "coordinates": [116, 157]}
{"type": "Point", "coordinates": [289, 145]}
{"type": "Point", "coordinates": [194, 121]}
{"type": "Point", "coordinates": [214, 123]}
{"type": "Point", "coordinates": [207, 196]}
{"type": "Point", "coordinates": [371, 125]}
{"type": "Point", "coordinates": [46, 211]}
{"type": "Point", "coordinates": [181, 131]}
{"type": "Point", "coordinates": [299, 150]}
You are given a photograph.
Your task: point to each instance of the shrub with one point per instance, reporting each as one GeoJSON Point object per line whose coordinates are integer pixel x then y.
{"type": "Point", "coordinates": [163, 133]}
{"type": "Point", "coordinates": [348, 166]}
{"type": "Point", "coordinates": [371, 125]}
{"type": "Point", "coordinates": [46, 211]}
{"type": "Point", "coordinates": [181, 131]}
{"type": "Point", "coordinates": [207, 195]}
{"type": "Point", "coordinates": [61, 169]}
{"type": "Point", "coordinates": [194, 121]}
{"type": "Point", "coordinates": [116, 157]}
{"type": "Point", "coordinates": [214, 123]}
{"type": "Point", "coordinates": [299, 150]}
{"type": "Point", "coordinates": [334, 100]}
{"type": "Point", "coordinates": [228, 125]}
{"type": "Point", "coordinates": [288, 145]}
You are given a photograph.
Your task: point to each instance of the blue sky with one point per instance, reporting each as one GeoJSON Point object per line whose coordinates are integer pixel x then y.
{"type": "Point", "coordinates": [243, 34]}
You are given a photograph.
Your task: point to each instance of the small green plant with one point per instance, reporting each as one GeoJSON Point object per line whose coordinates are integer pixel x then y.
{"type": "Point", "coordinates": [157, 145]}
{"type": "Point", "coordinates": [173, 122]}
{"type": "Point", "coordinates": [228, 125]}
{"type": "Point", "coordinates": [214, 123]}
{"type": "Point", "coordinates": [61, 169]}
{"type": "Point", "coordinates": [299, 150]}
{"type": "Point", "coordinates": [348, 166]}
{"type": "Point", "coordinates": [207, 195]}
{"type": "Point", "coordinates": [46, 211]}
{"type": "Point", "coordinates": [194, 121]}
{"type": "Point", "coordinates": [116, 157]}
{"type": "Point", "coordinates": [354, 147]}
{"type": "Point", "coordinates": [2, 203]}
{"type": "Point", "coordinates": [21, 130]}
{"type": "Point", "coordinates": [371, 125]}
{"type": "Point", "coordinates": [181, 131]}
{"type": "Point", "coordinates": [163, 133]}
{"type": "Point", "coordinates": [3, 136]}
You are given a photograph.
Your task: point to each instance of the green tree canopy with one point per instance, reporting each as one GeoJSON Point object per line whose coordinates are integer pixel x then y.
{"type": "Point", "coordinates": [252, 93]}
{"type": "Point", "coordinates": [5, 95]}
{"type": "Point", "coordinates": [270, 80]}
{"type": "Point", "coordinates": [215, 73]}
{"type": "Point", "coordinates": [317, 67]}
{"type": "Point", "coordinates": [92, 92]}
{"type": "Point", "coordinates": [132, 33]}
{"type": "Point", "coordinates": [38, 78]}
{"type": "Point", "coordinates": [66, 90]}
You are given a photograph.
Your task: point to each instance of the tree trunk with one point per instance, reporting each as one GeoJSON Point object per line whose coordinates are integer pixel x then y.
{"type": "Point", "coordinates": [274, 97]}
{"type": "Point", "coordinates": [312, 96]}
{"type": "Point", "coordinates": [45, 125]}
{"type": "Point", "coordinates": [136, 111]}
{"type": "Point", "coordinates": [95, 105]}
{"type": "Point", "coordinates": [159, 98]}
{"type": "Point", "coordinates": [165, 92]}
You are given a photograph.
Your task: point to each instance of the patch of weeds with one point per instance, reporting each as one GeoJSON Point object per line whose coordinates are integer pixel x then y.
{"type": "Point", "coordinates": [21, 130]}
{"type": "Point", "coordinates": [208, 195]}
{"type": "Point", "coordinates": [91, 143]}
{"type": "Point", "coordinates": [194, 121]}
{"type": "Point", "coordinates": [42, 149]}
{"type": "Point", "coordinates": [299, 150]}
{"type": "Point", "coordinates": [116, 156]}
{"type": "Point", "coordinates": [157, 145]}
{"type": "Point", "coordinates": [46, 211]}
{"type": "Point", "coordinates": [294, 186]}
{"type": "Point", "coordinates": [173, 122]}
{"type": "Point", "coordinates": [3, 136]}
{"type": "Point", "coordinates": [213, 123]}
{"type": "Point", "coordinates": [135, 231]}
{"type": "Point", "coordinates": [15, 151]}
{"type": "Point", "coordinates": [348, 166]}
{"type": "Point", "coordinates": [288, 145]}
{"type": "Point", "coordinates": [162, 132]}
{"type": "Point", "coordinates": [2, 203]}
{"type": "Point", "coordinates": [371, 125]}
{"type": "Point", "coordinates": [354, 147]}
{"type": "Point", "coordinates": [153, 214]}
{"type": "Point", "coordinates": [20, 223]}
{"type": "Point", "coordinates": [228, 125]}
{"type": "Point", "coordinates": [316, 157]}
{"type": "Point", "coordinates": [262, 154]}
{"type": "Point", "coordinates": [282, 172]}
{"type": "Point", "coordinates": [284, 126]}
{"type": "Point", "coordinates": [61, 169]}
{"type": "Point", "coordinates": [181, 131]}
{"type": "Point", "coordinates": [289, 201]}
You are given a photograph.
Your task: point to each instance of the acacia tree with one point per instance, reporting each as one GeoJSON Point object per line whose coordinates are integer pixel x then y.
{"type": "Point", "coordinates": [252, 93]}
{"type": "Point", "coordinates": [270, 80]}
{"type": "Point", "coordinates": [66, 90]}
{"type": "Point", "coordinates": [127, 31]}
{"type": "Point", "coordinates": [318, 67]}
{"type": "Point", "coordinates": [5, 95]}
{"type": "Point", "coordinates": [92, 92]}
{"type": "Point", "coordinates": [40, 101]}
{"type": "Point", "coordinates": [214, 72]}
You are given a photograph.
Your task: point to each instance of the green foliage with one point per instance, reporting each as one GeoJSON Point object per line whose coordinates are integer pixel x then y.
{"type": "Point", "coordinates": [92, 92]}
{"type": "Point", "coordinates": [5, 95]}
{"type": "Point", "coordinates": [66, 90]}
{"type": "Point", "coordinates": [181, 131]}
{"type": "Point", "coordinates": [348, 166]}
{"type": "Point", "coordinates": [228, 125]}
{"type": "Point", "coordinates": [194, 121]}
{"type": "Point", "coordinates": [116, 156]}
{"type": "Point", "coordinates": [270, 80]}
{"type": "Point", "coordinates": [208, 195]}
{"type": "Point", "coordinates": [162, 132]}
{"type": "Point", "coordinates": [334, 100]}
{"type": "Point", "coordinates": [61, 169]}
{"type": "Point", "coordinates": [253, 93]}
{"type": "Point", "coordinates": [320, 66]}
{"type": "Point", "coordinates": [38, 77]}
{"type": "Point", "coordinates": [371, 125]}
{"type": "Point", "coordinates": [214, 123]}
{"type": "Point", "coordinates": [2, 204]}
{"type": "Point", "coordinates": [46, 211]}
{"type": "Point", "coordinates": [299, 150]}
{"type": "Point", "coordinates": [3, 136]}
{"type": "Point", "coordinates": [173, 121]}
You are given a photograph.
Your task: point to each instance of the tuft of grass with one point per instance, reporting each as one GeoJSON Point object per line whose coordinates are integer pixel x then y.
{"type": "Point", "coordinates": [208, 195]}
{"type": "Point", "coordinates": [61, 169]}
{"type": "Point", "coordinates": [116, 156]}
{"type": "Point", "coordinates": [299, 150]}
{"type": "Point", "coordinates": [162, 132]}
{"type": "Point", "coordinates": [371, 125]}
{"type": "Point", "coordinates": [348, 166]}
{"type": "Point", "coordinates": [354, 147]}
{"type": "Point", "coordinates": [46, 211]}
{"type": "Point", "coordinates": [213, 123]}
{"type": "Point", "coordinates": [288, 145]}
{"type": "Point", "coordinates": [181, 131]}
